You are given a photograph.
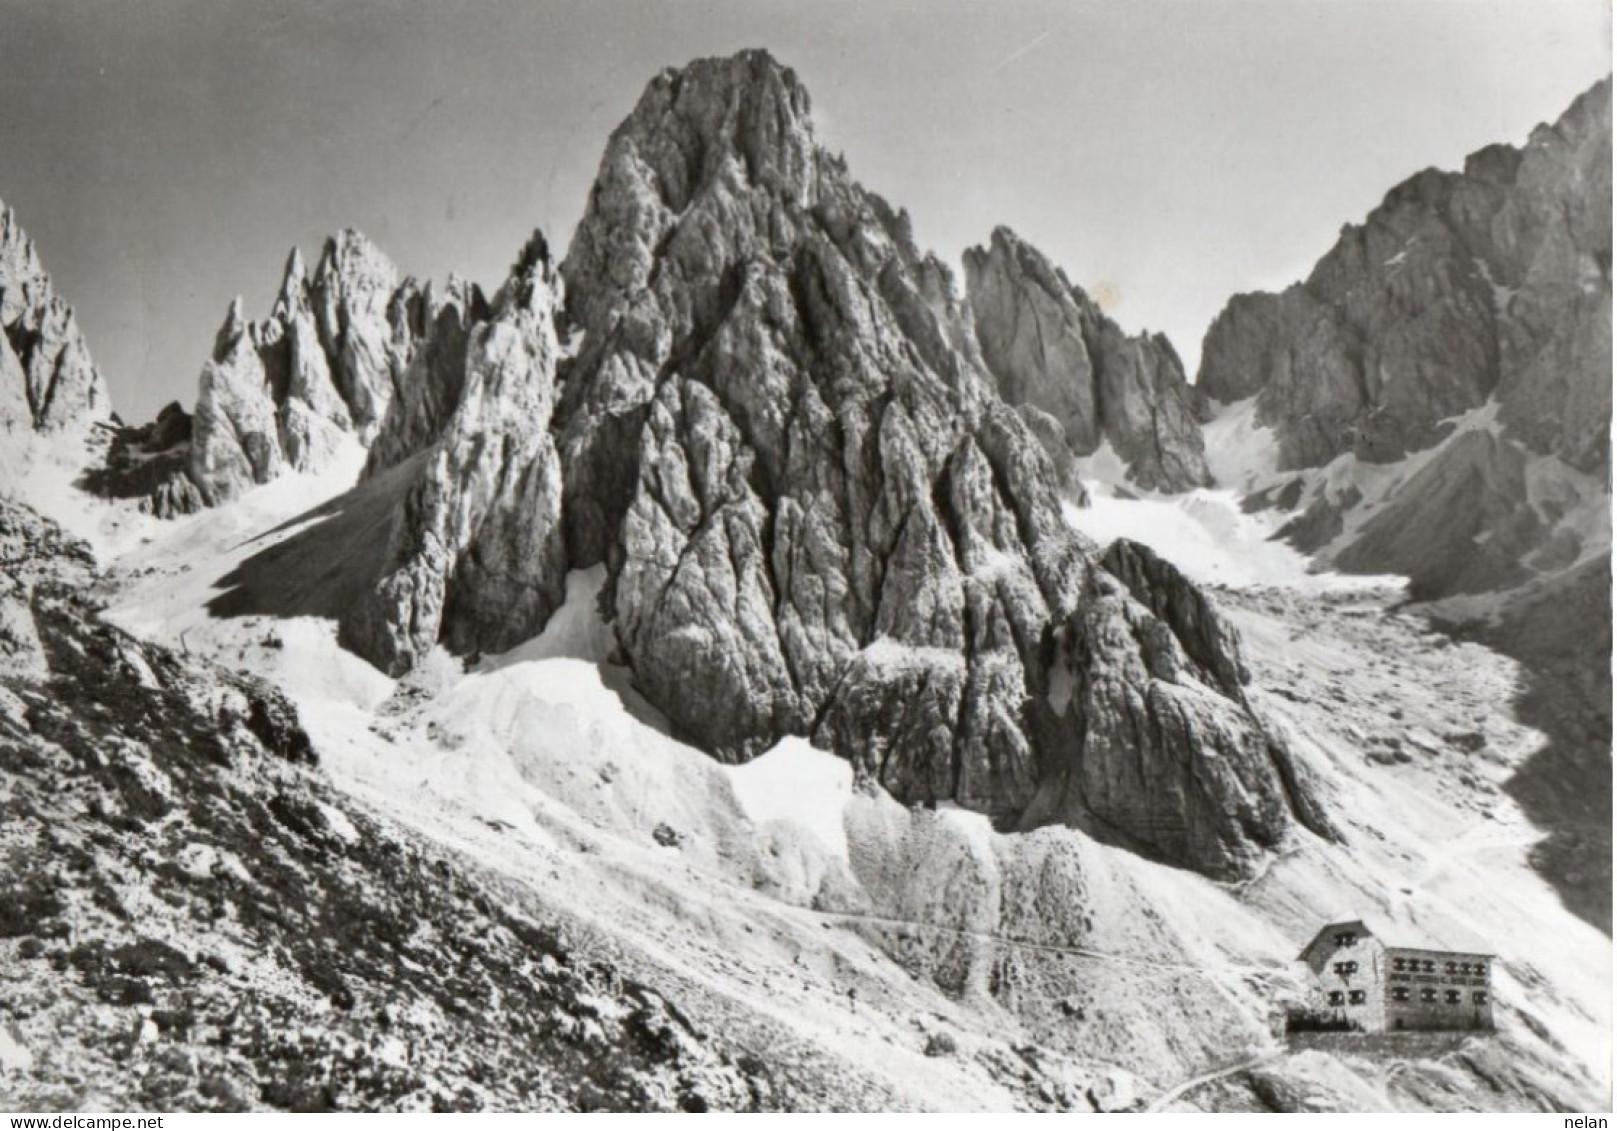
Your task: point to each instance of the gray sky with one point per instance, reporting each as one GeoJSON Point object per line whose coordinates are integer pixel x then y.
{"type": "Point", "coordinates": [165, 154]}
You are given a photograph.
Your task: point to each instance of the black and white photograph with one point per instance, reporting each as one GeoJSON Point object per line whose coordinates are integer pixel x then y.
{"type": "Point", "coordinates": [734, 555]}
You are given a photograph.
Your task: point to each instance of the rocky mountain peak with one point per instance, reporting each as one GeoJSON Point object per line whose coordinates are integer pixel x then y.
{"type": "Point", "coordinates": [351, 264]}
{"type": "Point", "coordinates": [230, 331]}
{"type": "Point", "coordinates": [737, 122]}
{"type": "Point", "coordinates": [48, 382]}
{"type": "Point", "coordinates": [533, 281]}
{"type": "Point", "coordinates": [747, 108]}
{"type": "Point", "coordinates": [1080, 379]}
{"type": "Point", "coordinates": [281, 393]}
{"type": "Point", "coordinates": [816, 517]}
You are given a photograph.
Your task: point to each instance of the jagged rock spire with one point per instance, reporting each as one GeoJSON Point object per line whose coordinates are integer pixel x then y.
{"type": "Point", "coordinates": [48, 381]}
{"type": "Point", "coordinates": [294, 293]}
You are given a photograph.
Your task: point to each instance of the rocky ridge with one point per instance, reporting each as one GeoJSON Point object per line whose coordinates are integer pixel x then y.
{"type": "Point", "coordinates": [1490, 282]}
{"type": "Point", "coordinates": [477, 558]}
{"type": "Point", "coordinates": [282, 393]}
{"type": "Point", "coordinates": [1054, 353]}
{"type": "Point", "coordinates": [773, 426]}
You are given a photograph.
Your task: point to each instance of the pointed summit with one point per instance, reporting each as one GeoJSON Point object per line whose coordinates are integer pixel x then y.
{"type": "Point", "coordinates": [48, 364]}
{"type": "Point", "coordinates": [351, 263]}
{"type": "Point", "coordinates": [294, 294]}
{"type": "Point", "coordinates": [230, 331]}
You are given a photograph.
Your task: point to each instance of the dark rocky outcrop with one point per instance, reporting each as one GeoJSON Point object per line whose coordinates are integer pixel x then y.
{"type": "Point", "coordinates": [1158, 585]}
{"type": "Point", "coordinates": [148, 462]}
{"type": "Point", "coordinates": [48, 382]}
{"type": "Point", "coordinates": [1049, 346]}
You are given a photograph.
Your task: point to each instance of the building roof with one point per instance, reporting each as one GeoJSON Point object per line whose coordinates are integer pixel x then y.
{"type": "Point", "coordinates": [1357, 925]}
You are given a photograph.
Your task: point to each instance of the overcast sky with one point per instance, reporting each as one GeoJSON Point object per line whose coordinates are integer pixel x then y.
{"type": "Point", "coordinates": [165, 154]}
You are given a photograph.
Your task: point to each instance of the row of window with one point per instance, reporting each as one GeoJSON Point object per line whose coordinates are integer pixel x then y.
{"type": "Point", "coordinates": [1346, 938]}
{"type": "Point", "coordinates": [1429, 995]}
{"type": "Point", "coordinates": [1430, 967]}
{"type": "Point", "coordinates": [1401, 993]}
{"type": "Point", "coordinates": [1345, 968]}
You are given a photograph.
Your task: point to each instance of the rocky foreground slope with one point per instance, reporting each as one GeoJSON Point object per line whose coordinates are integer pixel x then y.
{"type": "Point", "coordinates": [191, 918]}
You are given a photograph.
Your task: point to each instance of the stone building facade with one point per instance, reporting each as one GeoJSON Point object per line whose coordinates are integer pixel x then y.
{"type": "Point", "coordinates": [1358, 981]}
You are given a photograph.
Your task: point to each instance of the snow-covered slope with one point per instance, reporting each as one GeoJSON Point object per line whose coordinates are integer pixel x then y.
{"type": "Point", "coordinates": [1208, 536]}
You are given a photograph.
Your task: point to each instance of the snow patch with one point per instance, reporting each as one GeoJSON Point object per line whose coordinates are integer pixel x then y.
{"type": "Point", "coordinates": [1104, 471]}
{"type": "Point", "coordinates": [1213, 542]}
{"type": "Point", "coordinates": [797, 782]}
{"type": "Point", "coordinates": [576, 630]}
{"type": "Point", "coordinates": [1240, 452]}
{"type": "Point", "coordinates": [888, 655]}
{"type": "Point", "coordinates": [337, 821]}
{"type": "Point", "coordinates": [41, 472]}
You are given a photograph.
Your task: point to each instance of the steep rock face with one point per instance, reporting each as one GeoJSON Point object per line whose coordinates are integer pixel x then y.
{"type": "Point", "coordinates": [819, 519]}
{"type": "Point", "coordinates": [1158, 585]}
{"type": "Point", "coordinates": [1438, 393]}
{"type": "Point", "coordinates": [1050, 347]}
{"type": "Point", "coordinates": [48, 382]}
{"type": "Point", "coordinates": [1491, 282]}
{"type": "Point", "coordinates": [428, 387]}
{"type": "Point", "coordinates": [280, 394]}
{"type": "Point", "coordinates": [816, 516]}
{"type": "Point", "coordinates": [1438, 390]}
{"type": "Point", "coordinates": [477, 557]}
